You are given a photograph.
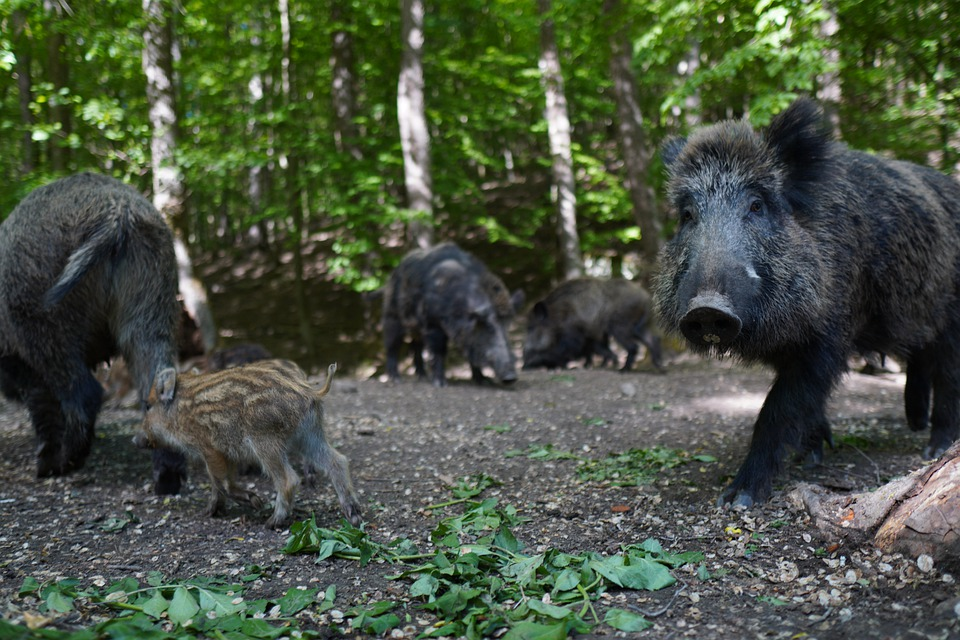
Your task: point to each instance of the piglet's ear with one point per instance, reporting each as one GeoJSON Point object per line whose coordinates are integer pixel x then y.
{"type": "Point", "coordinates": [166, 384]}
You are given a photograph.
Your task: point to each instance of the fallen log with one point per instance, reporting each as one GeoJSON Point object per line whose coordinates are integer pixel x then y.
{"type": "Point", "coordinates": [916, 514]}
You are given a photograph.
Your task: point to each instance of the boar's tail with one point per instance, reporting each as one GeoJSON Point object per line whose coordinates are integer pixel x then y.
{"type": "Point", "coordinates": [100, 246]}
{"type": "Point", "coordinates": [326, 385]}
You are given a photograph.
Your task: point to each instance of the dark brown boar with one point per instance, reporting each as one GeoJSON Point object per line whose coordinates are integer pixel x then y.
{"type": "Point", "coordinates": [264, 412]}
{"type": "Point", "coordinates": [796, 251]}
{"type": "Point", "coordinates": [442, 295]}
{"type": "Point", "coordinates": [577, 318]}
{"type": "Point", "coordinates": [87, 272]}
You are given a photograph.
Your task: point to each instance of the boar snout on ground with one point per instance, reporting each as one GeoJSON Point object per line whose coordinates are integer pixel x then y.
{"type": "Point", "coordinates": [264, 413]}
{"type": "Point", "coordinates": [796, 251]}
{"type": "Point", "coordinates": [577, 318]}
{"type": "Point", "coordinates": [87, 272]}
{"type": "Point", "coordinates": [442, 295]}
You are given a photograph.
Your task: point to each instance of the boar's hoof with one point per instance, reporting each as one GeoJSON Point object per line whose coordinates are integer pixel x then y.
{"type": "Point", "coordinates": [733, 498]}
{"type": "Point", "coordinates": [710, 321]}
{"type": "Point", "coordinates": [509, 378]}
{"type": "Point", "coordinates": [931, 453]}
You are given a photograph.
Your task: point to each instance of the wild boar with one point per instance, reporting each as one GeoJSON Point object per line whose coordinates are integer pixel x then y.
{"type": "Point", "coordinates": [263, 413]}
{"type": "Point", "coordinates": [796, 251]}
{"type": "Point", "coordinates": [87, 272]}
{"type": "Point", "coordinates": [577, 318]}
{"type": "Point", "coordinates": [443, 295]}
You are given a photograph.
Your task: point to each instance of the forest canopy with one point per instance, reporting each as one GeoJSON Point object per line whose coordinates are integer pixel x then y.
{"type": "Point", "coordinates": [261, 87]}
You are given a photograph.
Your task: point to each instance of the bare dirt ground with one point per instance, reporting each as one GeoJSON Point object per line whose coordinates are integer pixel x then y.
{"type": "Point", "coordinates": [771, 574]}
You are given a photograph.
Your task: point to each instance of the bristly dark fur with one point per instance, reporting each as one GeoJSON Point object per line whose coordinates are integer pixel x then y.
{"type": "Point", "coordinates": [577, 318]}
{"type": "Point", "coordinates": [804, 251]}
{"type": "Point", "coordinates": [87, 272]}
{"type": "Point", "coordinates": [441, 295]}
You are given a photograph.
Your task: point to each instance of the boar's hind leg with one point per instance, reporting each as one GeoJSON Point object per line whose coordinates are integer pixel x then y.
{"type": "Point", "coordinates": [319, 455]}
{"type": "Point", "coordinates": [945, 415]}
{"type": "Point", "coordinates": [64, 421]}
{"type": "Point", "coordinates": [916, 392]}
{"type": "Point", "coordinates": [792, 416]}
{"type": "Point", "coordinates": [393, 340]}
{"type": "Point", "coordinates": [436, 341]}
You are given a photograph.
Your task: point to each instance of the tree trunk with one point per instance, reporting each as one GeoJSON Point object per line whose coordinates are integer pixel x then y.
{"type": "Point", "coordinates": [916, 514]}
{"type": "Point", "coordinates": [342, 89]}
{"type": "Point", "coordinates": [296, 198]}
{"type": "Point", "coordinates": [168, 188]}
{"type": "Point", "coordinates": [828, 83]}
{"type": "Point", "coordinates": [58, 73]}
{"type": "Point", "coordinates": [414, 135]}
{"type": "Point", "coordinates": [22, 50]}
{"type": "Point", "coordinates": [633, 142]}
{"type": "Point", "coordinates": [558, 130]}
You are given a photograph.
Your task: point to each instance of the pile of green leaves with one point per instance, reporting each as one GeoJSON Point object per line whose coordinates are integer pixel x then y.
{"type": "Point", "coordinates": [632, 468]}
{"type": "Point", "coordinates": [479, 581]}
{"type": "Point", "coordinates": [199, 607]}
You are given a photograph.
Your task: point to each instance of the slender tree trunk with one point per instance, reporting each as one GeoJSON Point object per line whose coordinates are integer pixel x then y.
{"type": "Point", "coordinates": [558, 129]}
{"type": "Point", "coordinates": [692, 107]}
{"type": "Point", "coordinates": [828, 83]}
{"type": "Point", "coordinates": [342, 90]}
{"type": "Point", "coordinates": [22, 49]}
{"type": "Point", "coordinates": [168, 188]}
{"type": "Point", "coordinates": [633, 141]}
{"type": "Point", "coordinates": [414, 135]}
{"type": "Point", "coordinates": [58, 73]}
{"type": "Point", "coordinates": [296, 203]}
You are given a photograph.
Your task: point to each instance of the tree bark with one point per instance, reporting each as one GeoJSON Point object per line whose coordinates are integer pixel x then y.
{"type": "Point", "coordinates": [828, 83]}
{"type": "Point", "coordinates": [633, 141]}
{"type": "Point", "coordinates": [558, 130]}
{"type": "Point", "coordinates": [916, 514]}
{"type": "Point", "coordinates": [22, 50]}
{"type": "Point", "coordinates": [342, 89]}
{"type": "Point", "coordinates": [168, 187]}
{"type": "Point", "coordinates": [414, 134]}
{"type": "Point", "coordinates": [58, 73]}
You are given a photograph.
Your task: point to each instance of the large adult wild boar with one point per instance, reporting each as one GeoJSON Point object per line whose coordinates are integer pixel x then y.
{"type": "Point", "coordinates": [444, 294]}
{"type": "Point", "coordinates": [87, 271]}
{"type": "Point", "coordinates": [796, 251]}
{"type": "Point", "coordinates": [576, 319]}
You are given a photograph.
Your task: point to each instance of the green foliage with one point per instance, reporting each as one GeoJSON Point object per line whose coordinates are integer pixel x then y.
{"type": "Point", "coordinates": [479, 582]}
{"type": "Point", "coordinates": [695, 62]}
{"type": "Point", "coordinates": [634, 467]}
{"type": "Point", "coordinates": [199, 607]}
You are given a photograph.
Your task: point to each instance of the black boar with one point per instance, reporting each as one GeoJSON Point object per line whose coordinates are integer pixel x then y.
{"type": "Point", "coordinates": [444, 294]}
{"type": "Point", "coordinates": [263, 412]}
{"type": "Point", "coordinates": [796, 251]}
{"type": "Point", "coordinates": [577, 318]}
{"type": "Point", "coordinates": [236, 355]}
{"type": "Point", "coordinates": [87, 271]}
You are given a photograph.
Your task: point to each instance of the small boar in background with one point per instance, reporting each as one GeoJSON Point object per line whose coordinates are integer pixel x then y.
{"type": "Point", "coordinates": [235, 356]}
{"type": "Point", "coordinates": [264, 413]}
{"type": "Point", "coordinates": [87, 272]}
{"type": "Point", "coordinates": [796, 251]}
{"type": "Point", "coordinates": [442, 295]}
{"type": "Point", "coordinates": [577, 318]}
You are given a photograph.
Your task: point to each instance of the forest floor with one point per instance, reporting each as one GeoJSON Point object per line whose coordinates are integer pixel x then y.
{"type": "Point", "coordinates": [764, 573]}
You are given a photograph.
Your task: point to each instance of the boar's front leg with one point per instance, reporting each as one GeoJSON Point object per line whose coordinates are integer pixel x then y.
{"type": "Point", "coordinates": [436, 341]}
{"type": "Point", "coordinates": [793, 415]}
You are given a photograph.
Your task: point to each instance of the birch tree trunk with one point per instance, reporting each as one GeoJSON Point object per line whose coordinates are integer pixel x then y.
{"type": "Point", "coordinates": [558, 130]}
{"type": "Point", "coordinates": [633, 143]}
{"type": "Point", "coordinates": [414, 135]}
{"type": "Point", "coordinates": [168, 188]}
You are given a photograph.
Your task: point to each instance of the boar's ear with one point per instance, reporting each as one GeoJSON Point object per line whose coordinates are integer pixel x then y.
{"type": "Point", "coordinates": [166, 384]}
{"type": "Point", "coordinates": [671, 148]}
{"type": "Point", "coordinates": [517, 299]}
{"type": "Point", "coordinates": [801, 138]}
{"type": "Point", "coordinates": [540, 311]}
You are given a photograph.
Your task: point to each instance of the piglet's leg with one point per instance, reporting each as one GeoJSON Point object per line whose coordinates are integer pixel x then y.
{"type": "Point", "coordinates": [285, 480]}
{"type": "Point", "coordinates": [218, 468]}
{"type": "Point", "coordinates": [239, 493]}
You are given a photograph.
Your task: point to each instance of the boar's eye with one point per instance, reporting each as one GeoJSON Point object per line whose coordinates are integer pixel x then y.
{"type": "Point", "coordinates": [756, 205]}
{"type": "Point", "coordinates": [686, 216]}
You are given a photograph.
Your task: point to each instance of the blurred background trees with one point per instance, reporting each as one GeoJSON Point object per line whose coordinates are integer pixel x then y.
{"type": "Point", "coordinates": [288, 125]}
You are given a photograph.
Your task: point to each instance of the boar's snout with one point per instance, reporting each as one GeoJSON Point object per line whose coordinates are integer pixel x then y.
{"type": "Point", "coordinates": [509, 377]}
{"type": "Point", "coordinates": [710, 321]}
{"type": "Point", "coordinates": [142, 440]}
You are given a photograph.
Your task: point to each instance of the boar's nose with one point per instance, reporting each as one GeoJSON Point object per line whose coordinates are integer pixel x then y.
{"type": "Point", "coordinates": [710, 321]}
{"type": "Point", "coordinates": [509, 377]}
